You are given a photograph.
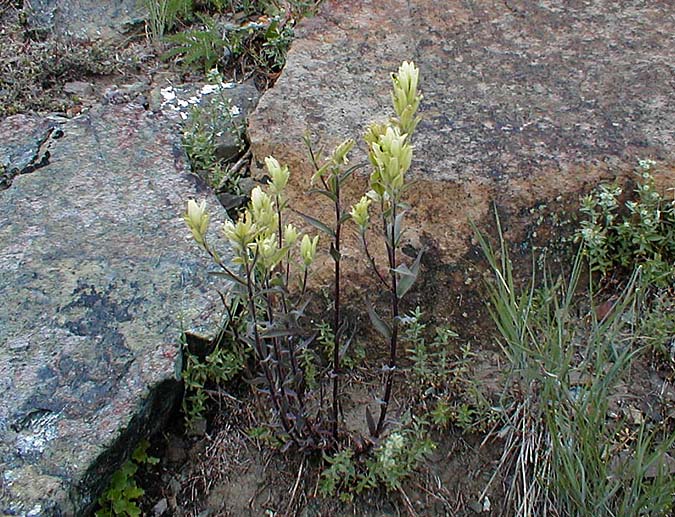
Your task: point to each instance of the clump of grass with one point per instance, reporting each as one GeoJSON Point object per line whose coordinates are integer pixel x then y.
{"type": "Point", "coordinates": [563, 452]}
{"type": "Point", "coordinates": [163, 15]}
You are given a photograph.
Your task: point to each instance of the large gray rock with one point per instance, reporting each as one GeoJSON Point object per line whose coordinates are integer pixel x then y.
{"type": "Point", "coordinates": [85, 19]}
{"type": "Point", "coordinates": [98, 278]}
{"type": "Point", "coordinates": [524, 102]}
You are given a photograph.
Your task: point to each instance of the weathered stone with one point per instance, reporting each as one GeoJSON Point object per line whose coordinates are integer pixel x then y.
{"type": "Point", "coordinates": [85, 19]}
{"type": "Point", "coordinates": [98, 278]}
{"type": "Point", "coordinates": [226, 106]}
{"type": "Point", "coordinates": [25, 146]}
{"type": "Point", "coordinates": [79, 88]}
{"type": "Point", "coordinates": [523, 101]}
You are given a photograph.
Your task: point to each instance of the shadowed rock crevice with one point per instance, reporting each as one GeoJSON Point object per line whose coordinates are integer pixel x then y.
{"type": "Point", "coordinates": [27, 152]}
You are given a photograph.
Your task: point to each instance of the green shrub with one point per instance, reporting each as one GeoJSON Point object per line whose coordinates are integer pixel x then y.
{"type": "Point", "coordinates": [624, 234]}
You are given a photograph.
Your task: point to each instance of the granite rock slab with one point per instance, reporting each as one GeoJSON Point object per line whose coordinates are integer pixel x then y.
{"type": "Point", "coordinates": [98, 279]}
{"type": "Point", "coordinates": [524, 102]}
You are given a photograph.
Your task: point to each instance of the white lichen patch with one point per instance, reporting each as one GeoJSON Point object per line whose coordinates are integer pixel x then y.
{"type": "Point", "coordinates": [172, 100]}
{"type": "Point", "coordinates": [41, 432]}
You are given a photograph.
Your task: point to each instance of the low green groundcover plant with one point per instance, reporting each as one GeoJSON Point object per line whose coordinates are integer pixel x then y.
{"type": "Point", "coordinates": [623, 233]}
{"type": "Point", "coordinates": [122, 495]}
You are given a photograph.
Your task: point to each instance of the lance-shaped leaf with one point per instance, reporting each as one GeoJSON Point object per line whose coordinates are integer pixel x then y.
{"type": "Point", "coordinates": [324, 192]}
{"type": "Point", "coordinates": [346, 174]}
{"type": "Point", "coordinates": [272, 332]}
{"type": "Point", "coordinates": [230, 275]}
{"type": "Point", "coordinates": [345, 347]}
{"type": "Point", "coordinates": [334, 253]}
{"type": "Point", "coordinates": [346, 216]}
{"type": "Point", "coordinates": [381, 326]}
{"type": "Point", "coordinates": [317, 224]}
{"type": "Point", "coordinates": [406, 276]}
{"type": "Point", "coordinates": [398, 223]}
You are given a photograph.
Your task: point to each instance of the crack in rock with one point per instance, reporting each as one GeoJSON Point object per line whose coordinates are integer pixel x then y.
{"type": "Point", "coordinates": [27, 159]}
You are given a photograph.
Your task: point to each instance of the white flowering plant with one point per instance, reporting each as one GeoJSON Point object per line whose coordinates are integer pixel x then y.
{"type": "Point", "coordinates": [272, 261]}
{"type": "Point", "coordinates": [265, 248]}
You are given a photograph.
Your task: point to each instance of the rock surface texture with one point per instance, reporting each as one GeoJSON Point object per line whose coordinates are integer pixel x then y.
{"type": "Point", "coordinates": [524, 102]}
{"type": "Point", "coordinates": [98, 277]}
{"type": "Point", "coordinates": [85, 19]}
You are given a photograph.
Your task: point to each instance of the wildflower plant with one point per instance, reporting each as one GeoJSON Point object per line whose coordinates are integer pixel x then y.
{"type": "Point", "coordinates": [390, 155]}
{"type": "Point", "coordinates": [264, 248]}
{"type": "Point", "coordinates": [329, 177]}
{"type": "Point", "coordinates": [272, 261]}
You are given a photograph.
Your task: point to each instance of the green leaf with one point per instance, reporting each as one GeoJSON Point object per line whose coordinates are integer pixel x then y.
{"type": "Point", "coordinates": [398, 223]}
{"type": "Point", "coordinates": [123, 506]}
{"type": "Point", "coordinates": [346, 174]}
{"type": "Point", "coordinates": [232, 277]}
{"type": "Point", "coordinates": [324, 192]}
{"type": "Point", "coordinates": [317, 224]}
{"type": "Point", "coordinates": [133, 492]}
{"type": "Point", "coordinates": [334, 253]}
{"type": "Point", "coordinates": [407, 276]}
{"type": "Point", "coordinates": [140, 454]}
{"type": "Point", "coordinates": [382, 327]}
{"type": "Point", "coordinates": [371, 422]}
{"type": "Point", "coordinates": [278, 332]}
{"type": "Point", "coordinates": [346, 216]}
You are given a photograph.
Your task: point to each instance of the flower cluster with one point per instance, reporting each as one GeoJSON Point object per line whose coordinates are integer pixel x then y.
{"type": "Point", "coordinates": [390, 155]}
{"type": "Point", "coordinates": [197, 220]}
{"type": "Point", "coordinates": [255, 235]}
{"type": "Point", "coordinates": [359, 213]}
{"type": "Point", "coordinates": [405, 96]}
{"type": "Point", "coordinates": [391, 449]}
{"type": "Point", "coordinates": [332, 164]}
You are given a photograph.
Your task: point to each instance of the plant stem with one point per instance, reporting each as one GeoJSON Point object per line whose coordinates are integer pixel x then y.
{"type": "Point", "coordinates": [371, 259]}
{"type": "Point", "coordinates": [289, 340]}
{"type": "Point", "coordinates": [336, 315]}
{"type": "Point", "coordinates": [391, 367]}
{"type": "Point", "coordinates": [281, 373]}
{"type": "Point", "coordinates": [260, 350]}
